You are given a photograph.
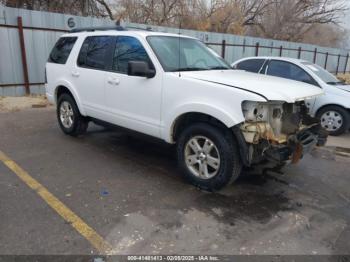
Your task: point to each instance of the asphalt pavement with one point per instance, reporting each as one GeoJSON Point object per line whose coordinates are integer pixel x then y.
{"type": "Point", "coordinates": [129, 191]}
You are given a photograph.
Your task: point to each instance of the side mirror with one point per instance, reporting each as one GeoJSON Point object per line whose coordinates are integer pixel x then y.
{"type": "Point", "coordinates": [140, 68]}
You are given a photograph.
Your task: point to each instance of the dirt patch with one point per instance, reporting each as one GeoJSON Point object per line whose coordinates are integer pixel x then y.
{"type": "Point", "coordinates": [11, 104]}
{"type": "Point", "coordinates": [345, 77]}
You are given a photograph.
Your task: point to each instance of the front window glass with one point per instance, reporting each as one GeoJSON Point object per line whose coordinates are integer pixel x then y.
{"type": "Point", "coordinates": [128, 49]}
{"type": "Point", "coordinates": [289, 71]}
{"type": "Point", "coordinates": [185, 54]}
{"type": "Point", "coordinates": [322, 73]}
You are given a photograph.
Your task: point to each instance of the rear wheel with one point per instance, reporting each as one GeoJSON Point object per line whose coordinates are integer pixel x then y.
{"type": "Point", "coordinates": [208, 156]}
{"type": "Point", "coordinates": [69, 118]}
{"type": "Point", "coordinates": [334, 119]}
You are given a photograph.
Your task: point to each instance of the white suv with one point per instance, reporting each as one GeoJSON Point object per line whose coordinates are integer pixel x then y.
{"type": "Point", "coordinates": [174, 88]}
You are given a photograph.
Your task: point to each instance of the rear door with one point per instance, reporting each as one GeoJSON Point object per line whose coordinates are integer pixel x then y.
{"type": "Point", "coordinates": [89, 72]}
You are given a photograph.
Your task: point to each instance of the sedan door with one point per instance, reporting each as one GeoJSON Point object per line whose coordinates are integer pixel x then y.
{"type": "Point", "coordinates": [133, 102]}
{"type": "Point", "coordinates": [291, 71]}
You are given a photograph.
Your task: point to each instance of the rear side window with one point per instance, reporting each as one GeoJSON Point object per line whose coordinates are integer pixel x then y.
{"type": "Point", "coordinates": [252, 65]}
{"type": "Point", "coordinates": [95, 52]}
{"type": "Point", "coordinates": [61, 50]}
{"type": "Point", "coordinates": [128, 49]}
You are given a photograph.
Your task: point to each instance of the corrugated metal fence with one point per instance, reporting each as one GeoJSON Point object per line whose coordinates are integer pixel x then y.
{"type": "Point", "coordinates": [26, 38]}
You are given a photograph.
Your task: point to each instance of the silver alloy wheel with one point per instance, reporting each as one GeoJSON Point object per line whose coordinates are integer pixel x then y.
{"type": "Point", "coordinates": [202, 157]}
{"type": "Point", "coordinates": [66, 114]}
{"type": "Point", "coordinates": [332, 121]}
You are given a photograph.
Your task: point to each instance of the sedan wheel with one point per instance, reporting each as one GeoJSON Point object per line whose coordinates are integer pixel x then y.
{"type": "Point", "coordinates": [332, 121]}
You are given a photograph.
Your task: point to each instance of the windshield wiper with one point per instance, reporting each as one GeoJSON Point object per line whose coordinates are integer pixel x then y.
{"type": "Point", "coordinates": [189, 69]}
{"type": "Point", "coordinates": [336, 83]}
{"type": "Point", "coordinates": [219, 68]}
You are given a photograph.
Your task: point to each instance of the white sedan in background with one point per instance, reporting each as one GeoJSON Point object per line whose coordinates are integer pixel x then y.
{"type": "Point", "coordinates": [333, 108]}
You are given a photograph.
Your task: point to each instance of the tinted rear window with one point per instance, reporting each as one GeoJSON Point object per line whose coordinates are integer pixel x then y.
{"type": "Point", "coordinates": [95, 51]}
{"type": "Point", "coordinates": [253, 65]}
{"type": "Point", "coordinates": [61, 50]}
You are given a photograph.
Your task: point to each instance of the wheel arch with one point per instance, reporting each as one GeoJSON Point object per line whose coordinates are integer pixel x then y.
{"type": "Point", "coordinates": [180, 123]}
{"type": "Point", "coordinates": [328, 105]}
{"type": "Point", "coordinates": [64, 88]}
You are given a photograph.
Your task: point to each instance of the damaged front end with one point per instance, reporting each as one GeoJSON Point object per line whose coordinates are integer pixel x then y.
{"type": "Point", "coordinates": [279, 132]}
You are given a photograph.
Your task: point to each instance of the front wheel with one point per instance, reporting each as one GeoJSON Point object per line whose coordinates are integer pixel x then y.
{"type": "Point", "coordinates": [334, 119]}
{"type": "Point", "coordinates": [208, 156]}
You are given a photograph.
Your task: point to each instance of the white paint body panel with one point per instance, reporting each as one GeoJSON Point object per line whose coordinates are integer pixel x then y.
{"type": "Point", "coordinates": [152, 106]}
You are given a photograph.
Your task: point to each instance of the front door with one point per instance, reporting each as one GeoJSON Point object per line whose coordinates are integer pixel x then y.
{"type": "Point", "coordinates": [134, 102]}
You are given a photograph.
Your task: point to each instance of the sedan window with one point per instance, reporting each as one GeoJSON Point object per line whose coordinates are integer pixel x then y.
{"type": "Point", "coordinates": [289, 71]}
{"type": "Point", "coordinates": [252, 65]}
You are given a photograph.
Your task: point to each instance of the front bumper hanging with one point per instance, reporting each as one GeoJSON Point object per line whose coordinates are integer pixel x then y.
{"type": "Point", "coordinates": [298, 145]}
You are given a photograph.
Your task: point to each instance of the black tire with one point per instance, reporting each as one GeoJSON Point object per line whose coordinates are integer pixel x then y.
{"type": "Point", "coordinates": [80, 123]}
{"type": "Point", "coordinates": [230, 163]}
{"type": "Point", "coordinates": [341, 111]}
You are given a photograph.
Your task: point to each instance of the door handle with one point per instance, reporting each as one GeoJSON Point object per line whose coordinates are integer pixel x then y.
{"type": "Point", "coordinates": [75, 74]}
{"type": "Point", "coordinates": [113, 81]}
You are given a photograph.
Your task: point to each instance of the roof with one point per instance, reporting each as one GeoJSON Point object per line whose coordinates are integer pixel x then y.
{"type": "Point", "coordinates": [141, 33]}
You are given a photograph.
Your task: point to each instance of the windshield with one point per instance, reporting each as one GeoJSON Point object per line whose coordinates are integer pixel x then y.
{"type": "Point", "coordinates": [323, 74]}
{"type": "Point", "coordinates": [185, 54]}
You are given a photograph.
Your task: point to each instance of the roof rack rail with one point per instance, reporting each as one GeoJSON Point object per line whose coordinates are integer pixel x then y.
{"type": "Point", "coordinates": [139, 28]}
{"type": "Point", "coordinates": [98, 28]}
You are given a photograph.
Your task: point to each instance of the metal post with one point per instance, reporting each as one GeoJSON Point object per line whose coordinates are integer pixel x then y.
{"type": "Point", "coordinates": [315, 55]}
{"type": "Point", "coordinates": [338, 65]}
{"type": "Point", "coordinates": [299, 52]}
{"type": "Point", "coordinates": [23, 55]}
{"type": "Point", "coordinates": [243, 46]}
{"type": "Point", "coordinates": [223, 49]}
{"type": "Point", "coordinates": [346, 63]}
{"type": "Point", "coordinates": [326, 61]}
{"type": "Point", "coordinates": [281, 50]}
{"type": "Point", "coordinates": [257, 49]}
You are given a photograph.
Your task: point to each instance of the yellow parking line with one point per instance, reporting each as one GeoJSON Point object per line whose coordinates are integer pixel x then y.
{"type": "Point", "coordinates": [84, 229]}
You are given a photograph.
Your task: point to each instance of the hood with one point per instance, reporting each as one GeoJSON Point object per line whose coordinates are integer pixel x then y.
{"type": "Point", "coordinates": [271, 88]}
{"type": "Point", "coordinates": [343, 87]}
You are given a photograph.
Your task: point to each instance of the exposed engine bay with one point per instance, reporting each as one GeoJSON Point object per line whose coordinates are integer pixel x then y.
{"type": "Point", "coordinates": [279, 131]}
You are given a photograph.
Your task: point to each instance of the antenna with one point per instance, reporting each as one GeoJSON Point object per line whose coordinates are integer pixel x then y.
{"type": "Point", "coordinates": [179, 48]}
